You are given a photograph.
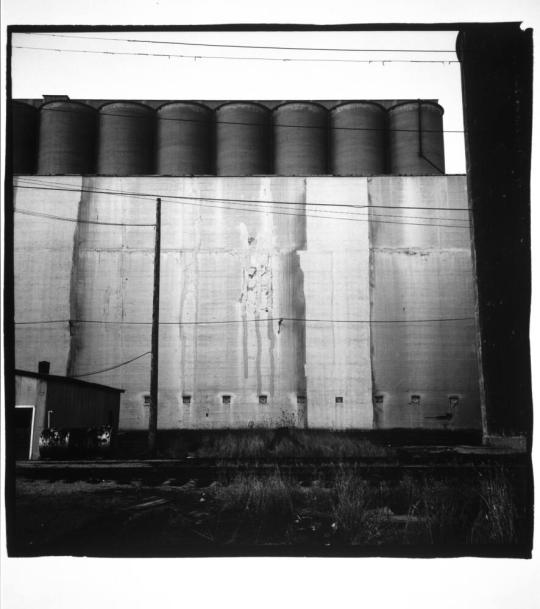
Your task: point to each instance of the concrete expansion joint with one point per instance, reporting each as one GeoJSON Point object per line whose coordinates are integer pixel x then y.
{"type": "Point", "coordinates": [425, 251]}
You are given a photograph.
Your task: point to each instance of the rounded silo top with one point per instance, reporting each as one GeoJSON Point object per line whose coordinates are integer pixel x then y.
{"type": "Point", "coordinates": [67, 136]}
{"type": "Point", "coordinates": [358, 139]}
{"type": "Point", "coordinates": [300, 139]}
{"type": "Point", "coordinates": [184, 139]}
{"type": "Point", "coordinates": [243, 139]}
{"type": "Point", "coordinates": [24, 122]}
{"type": "Point", "coordinates": [126, 139]}
{"type": "Point", "coordinates": [416, 142]}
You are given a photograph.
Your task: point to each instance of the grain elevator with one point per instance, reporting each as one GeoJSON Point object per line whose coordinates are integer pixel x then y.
{"type": "Point", "coordinates": [316, 261]}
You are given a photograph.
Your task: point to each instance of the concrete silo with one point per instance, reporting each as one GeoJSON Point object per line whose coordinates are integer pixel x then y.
{"type": "Point", "coordinates": [24, 137]}
{"type": "Point", "coordinates": [67, 136]}
{"type": "Point", "coordinates": [300, 139]}
{"type": "Point", "coordinates": [184, 139]}
{"type": "Point", "coordinates": [416, 138]}
{"type": "Point", "coordinates": [242, 139]}
{"type": "Point", "coordinates": [126, 139]}
{"type": "Point", "coordinates": [357, 139]}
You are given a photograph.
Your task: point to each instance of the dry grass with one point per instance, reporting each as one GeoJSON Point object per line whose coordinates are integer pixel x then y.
{"type": "Point", "coordinates": [496, 521]}
{"type": "Point", "coordinates": [262, 505]}
{"type": "Point", "coordinates": [458, 509]}
{"type": "Point", "coordinates": [352, 498]}
{"type": "Point", "coordinates": [422, 510]}
{"type": "Point", "coordinates": [284, 443]}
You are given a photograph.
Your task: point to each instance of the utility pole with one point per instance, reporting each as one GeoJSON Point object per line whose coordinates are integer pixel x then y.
{"type": "Point", "coordinates": [152, 423]}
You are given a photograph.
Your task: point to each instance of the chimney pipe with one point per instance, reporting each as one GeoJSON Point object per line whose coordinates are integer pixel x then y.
{"type": "Point", "coordinates": [44, 367]}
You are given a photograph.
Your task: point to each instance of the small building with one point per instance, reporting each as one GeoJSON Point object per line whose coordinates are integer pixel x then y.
{"type": "Point", "coordinates": [45, 400]}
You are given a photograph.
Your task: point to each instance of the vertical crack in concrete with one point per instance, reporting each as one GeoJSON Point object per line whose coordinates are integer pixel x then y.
{"type": "Point", "coordinates": [300, 313]}
{"type": "Point", "coordinates": [196, 272]}
{"type": "Point", "coordinates": [272, 341]}
{"type": "Point", "coordinates": [259, 352]}
{"type": "Point", "coordinates": [371, 287]}
{"type": "Point", "coordinates": [245, 354]}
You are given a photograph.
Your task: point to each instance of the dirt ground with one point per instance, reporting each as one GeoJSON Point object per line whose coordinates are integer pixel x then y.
{"type": "Point", "coordinates": [95, 517]}
{"type": "Point", "coordinates": [105, 517]}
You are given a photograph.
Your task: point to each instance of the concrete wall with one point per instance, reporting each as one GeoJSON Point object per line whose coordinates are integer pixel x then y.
{"type": "Point", "coordinates": [423, 273]}
{"type": "Point", "coordinates": [44, 249]}
{"type": "Point", "coordinates": [254, 303]}
{"type": "Point", "coordinates": [336, 284]}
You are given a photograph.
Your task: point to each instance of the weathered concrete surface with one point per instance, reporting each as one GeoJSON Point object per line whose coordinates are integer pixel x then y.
{"type": "Point", "coordinates": [336, 284]}
{"type": "Point", "coordinates": [43, 260]}
{"type": "Point", "coordinates": [228, 277]}
{"type": "Point", "coordinates": [423, 273]}
{"type": "Point", "coordinates": [254, 303]}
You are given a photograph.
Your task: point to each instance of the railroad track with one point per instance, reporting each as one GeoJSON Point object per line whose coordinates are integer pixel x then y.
{"type": "Point", "coordinates": [212, 468]}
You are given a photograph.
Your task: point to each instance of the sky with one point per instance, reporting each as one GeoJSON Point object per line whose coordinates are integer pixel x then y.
{"type": "Point", "coordinates": [107, 65]}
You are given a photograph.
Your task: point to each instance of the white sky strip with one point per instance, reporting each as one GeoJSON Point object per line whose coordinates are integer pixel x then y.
{"type": "Point", "coordinates": [236, 57]}
{"type": "Point", "coordinates": [237, 46]}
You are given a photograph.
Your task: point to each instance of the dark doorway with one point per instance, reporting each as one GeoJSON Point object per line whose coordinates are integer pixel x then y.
{"type": "Point", "coordinates": [24, 416]}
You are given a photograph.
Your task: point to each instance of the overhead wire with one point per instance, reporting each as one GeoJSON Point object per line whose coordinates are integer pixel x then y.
{"type": "Point", "coordinates": [251, 320]}
{"type": "Point", "coordinates": [238, 46]}
{"type": "Point", "coordinates": [59, 186]}
{"type": "Point", "coordinates": [244, 208]}
{"type": "Point", "coordinates": [280, 319]}
{"type": "Point", "coordinates": [238, 58]}
{"type": "Point", "coordinates": [111, 367]}
{"type": "Point", "coordinates": [27, 212]}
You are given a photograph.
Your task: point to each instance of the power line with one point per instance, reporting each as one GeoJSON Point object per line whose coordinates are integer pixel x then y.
{"type": "Point", "coordinates": [48, 321]}
{"type": "Point", "coordinates": [245, 46]}
{"type": "Point", "coordinates": [361, 217]}
{"type": "Point", "coordinates": [223, 199]}
{"type": "Point", "coordinates": [267, 124]}
{"type": "Point", "coordinates": [254, 320]}
{"type": "Point", "coordinates": [196, 57]}
{"type": "Point", "coordinates": [110, 368]}
{"type": "Point", "coordinates": [27, 212]}
{"type": "Point", "coordinates": [367, 219]}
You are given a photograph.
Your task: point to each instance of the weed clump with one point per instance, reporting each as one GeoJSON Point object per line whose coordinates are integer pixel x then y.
{"type": "Point", "coordinates": [262, 505]}
{"type": "Point", "coordinates": [496, 520]}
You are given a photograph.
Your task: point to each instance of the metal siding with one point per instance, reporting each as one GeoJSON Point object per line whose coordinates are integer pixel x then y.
{"type": "Point", "coordinates": [78, 406]}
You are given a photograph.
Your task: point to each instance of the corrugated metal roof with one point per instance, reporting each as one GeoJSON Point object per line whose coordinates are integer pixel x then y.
{"type": "Point", "coordinates": [65, 379]}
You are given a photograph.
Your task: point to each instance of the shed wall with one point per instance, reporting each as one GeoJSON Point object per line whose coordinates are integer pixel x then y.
{"type": "Point", "coordinates": [81, 406]}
